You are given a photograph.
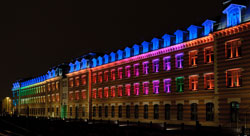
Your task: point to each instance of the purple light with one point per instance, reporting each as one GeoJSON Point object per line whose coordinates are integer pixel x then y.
{"type": "Point", "coordinates": [145, 67]}
{"type": "Point", "coordinates": [179, 60]}
{"type": "Point", "coordinates": [156, 65]}
{"type": "Point", "coordinates": [145, 87]}
{"type": "Point", "coordinates": [167, 85]}
{"type": "Point", "coordinates": [136, 88]}
{"type": "Point", "coordinates": [156, 87]}
{"type": "Point", "coordinates": [136, 69]}
{"type": "Point", "coordinates": [127, 71]}
{"type": "Point", "coordinates": [167, 63]}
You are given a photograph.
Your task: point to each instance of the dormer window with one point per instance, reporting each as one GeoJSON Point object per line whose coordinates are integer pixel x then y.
{"type": "Point", "coordinates": [233, 12]}
{"type": "Point", "coordinates": [77, 63]}
{"type": "Point", "coordinates": [94, 62]}
{"type": "Point", "coordinates": [100, 60]}
{"type": "Point", "coordinates": [193, 32]}
{"type": "Point", "coordinates": [84, 64]}
{"type": "Point", "coordinates": [113, 56]}
{"type": "Point", "coordinates": [180, 36]}
{"type": "Point", "coordinates": [208, 26]}
{"type": "Point", "coordinates": [155, 42]}
{"type": "Point", "coordinates": [145, 46]}
{"type": "Point", "coordinates": [136, 49]}
{"type": "Point", "coordinates": [71, 65]}
{"type": "Point", "coordinates": [167, 40]}
{"type": "Point", "coordinates": [127, 52]}
{"type": "Point", "coordinates": [120, 54]}
{"type": "Point", "coordinates": [106, 59]}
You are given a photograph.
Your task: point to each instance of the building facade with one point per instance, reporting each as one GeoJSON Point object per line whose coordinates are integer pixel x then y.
{"type": "Point", "coordinates": [200, 74]}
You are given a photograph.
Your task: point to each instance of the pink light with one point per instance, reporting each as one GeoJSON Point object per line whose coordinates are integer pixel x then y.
{"type": "Point", "coordinates": [156, 87]}
{"type": "Point", "coordinates": [145, 88]}
{"type": "Point", "coordinates": [136, 88]}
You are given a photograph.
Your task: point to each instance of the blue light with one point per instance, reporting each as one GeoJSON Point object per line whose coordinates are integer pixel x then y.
{"type": "Point", "coordinates": [53, 73]}
{"type": "Point", "coordinates": [84, 63]}
{"type": "Point", "coordinates": [193, 32]}
{"type": "Point", "coordinates": [180, 36]}
{"type": "Point", "coordinates": [145, 46]}
{"type": "Point", "coordinates": [94, 62]}
{"type": "Point", "coordinates": [233, 12]}
{"type": "Point", "coordinates": [120, 54]}
{"type": "Point", "coordinates": [113, 56]}
{"type": "Point", "coordinates": [167, 40]}
{"type": "Point", "coordinates": [106, 59]}
{"type": "Point", "coordinates": [136, 49]}
{"type": "Point", "coordinates": [99, 60]}
{"type": "Point", "coordinates": [77, 64]}
{"type": "Point", "coordinates": [127, 52]}
{"type": "Point", "coordinates": [155, 42]}
{"type": "Point", "coordinates": [71, 65]}
{"type": "Point", "coordinates": [208, 26]}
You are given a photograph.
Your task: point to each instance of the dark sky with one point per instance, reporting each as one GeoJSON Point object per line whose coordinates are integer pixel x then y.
{"type": "Point", "coordinates": [37, 35]}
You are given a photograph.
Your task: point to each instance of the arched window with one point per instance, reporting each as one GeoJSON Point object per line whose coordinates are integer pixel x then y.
{"type": "Point", "coordinates": [94, 111]}
{"type": "Point", "coordinates": [234, 111]}
{"type": "Point", "coordinates": [120, 111]}
{"type": "Point", "coordinates": [156, 111]}
{"type": "Point", "coordinates": [180, 112]}
{"type": "Point", "coordinates": [136, 111]}
{"type": "Point", "coordinates": [127, 111]}
{"type": "Point", "coordinates": [167, 112]}
{"type": "Point", "coordinates": [209, 111]}
{"type": "Point", "coordinates": [113, 111]}
{"type": "Point", "coordinates": [106, 111]}
{"type": "Point", "coordinates": [194, 111]}
{"type": "Point", "coordinates": [100, 111]}
{"type": "Point", "coordinates": [145, 111]}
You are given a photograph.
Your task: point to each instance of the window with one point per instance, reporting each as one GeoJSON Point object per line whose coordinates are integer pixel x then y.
{"type": "Point", "coordinates": [127, 91]}
{"type": "Point", "coordinates": [100, 111]}
{"type": "Point", "coordinates": [167, 85]}
{"type": "Point", "coordinates": [120, 73]}
{"type": "Point", "coordinates": [71, 83]}
{"type": "Point", "coordinates": [112, 93]}
{"type": "Point", "coordinates": [209, 112]}
{"type": "Point", "coordinates": [127, 111]}
{"type": "Point", "coordinates": [180, 84]}
{"type": "Point", "coordinates": [57, 97]}
{"type": "Point", "coordinates": [156, 87]}
{"type": "Point", "coordinates": [209, 55]}
{"type": "Point", "coordinates": [94, 78]}
{"type": "Point", "coordinates": [71, 95]}
{"type": "Point", "coordinates": [145, 67]}
{"type": "Point", "coordinates": [76, 95]}
{"type": "Point", "coordinates": [179, 112]}
{"type": "Point", "coordinates": [209, 81]}
{"type": "Point", "coordinates": [94, 94]}
{"type": "Point", "coordinates": [233, 77]}
{"type": "Point", "coordinates": [57, 86]}
{"type": "Point", "coordinates": [83, 111]}
{"type": "Point", "coordinates": [194, 111]}
{"type": "Point", "coordinates": [145, 111]}
{"type": "Point", "coordinates": [233, 49]}
{"type": "Point", "coordinates": [113, 111]}
{"type": "Point", "coordinates": [77, 82]}
{"type": "Point", "coordinates": [179, 60]}
{"type": "Point", "coordinates": [156, 111]}
{"type": "Point", "coordinates": [155, 65]}
{"type": "Point", "coordinates": [136, 69]}
{"type": "Point", "coordinates": [113, 74]}
{"type": "Point", "coordinates": [106, 92]}
{"type": "Point", "coordinates": [136, 88]}
{"type": "Point", "coordinates": [100, 77]}
{"type": "Point", "coordinates": [193, 82]}
{"type": "Point", "coordinates": [120, 111]}
{"type": "Point", "coordinates": [106, 76]}
{"type": "Point", "coordinates": [234, 111]}
{"type": "Point", "coordinates": [84, 80]}
{"type": "Point", "coordinates": [193, 55]}
{"type": "Point", "coordinates": [100, 92]}
{"type": "Point", "coordinates": [127, 71]}
{"type": "Point", "coordinates": [145, 88]}
{"type": "Point", "coordinates": [136, 111]}
{"type": "Point", "coordinates": [119, 91]}
{"type": "Point", "coordinates": [53, 86]}
{"type": "Point", "coordinates": [167, 63]}
{"type": "Point", "coordinates": [53, 97]}
{"type": "Point", "coordinates": [94, 111]}
{"type": "Point", "coordinates": [167, 112]}
{"type": "Point", "coordinates": [84, 94]}
{"type": "Point", "coordinates": [70, 111]}
{"type": "Point", "coordinates": [106, 111]}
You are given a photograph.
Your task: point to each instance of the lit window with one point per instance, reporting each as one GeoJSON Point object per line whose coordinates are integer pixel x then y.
{"type": "Point", "coordinates": [71, 95]}
{"type": "Point", "coordinates": [234, 77]}
{"type": "Point", "coordinates": [167, 85]}
{"type": "Point", "coordinates": [112, 91]}
{"type": "Point", "coordinates": [145, 67]}
{"type": "Point", "coordinates": [120, 73]}
{"type": "Point", "coordinates": [209, 55]}
{"type": "Point", "coordinates": [193, 82]}
{"type": "Point", "coordinates": [156, 65]}
{"type": "Point", "coordinates": [106, 92]}
{"type": "Point", "coordinates": [53, 86]}
{"type": "Point", "coordinates": [179, 60]}
{"type": "Point", "coordinates": [136, 69]}
{"type": "Point", "coordinates": [233, 49]}
{"type": "Point", "coordinates": [179, 84]}
{"type": "Point", "coordinates": [145, 88]}
{"type": "Point", "coordinates": [84, 81]}
{"type": "Point", "coordinates": [127, 71]}
{"type": "Point", "coordinates": [136, 88]}
{"type": "Point", "coordinates": [127, 91]}
{"type": "Point", "coordinates": [53, 97]}
{"type": "Point", "coordinates": [94, 78]}
{"type": "Point", "coordinates": [84, 94]}
{"type": "Point", "coordinates": [100, 77]}
{"type": "Point", "coordinates": [76, 95]}
{"type": "Point", "coordinates": [100, 92]}
{"type": "Point", "coordinates": [77, 83]}
{"type": "Point", "coordinates": [50, 86]}
{"type": "Point", "coordinates": [113, 74]}
{"type": "Point", "coordinates": [156, 86]}
{"type": "Point", "coordinates": [57, 86]}
{"type": "Point", "coordinates": [106, 76]}
{"type": "Point", "coordinates": [119, 91]}
{"type": "Point", "coordinates": [94, 93]}
{"type": "Point", "coordinates": [209, 81]}
{"type": "Point", "coordinates": [193, 55]}
{"type": "Point", "coordinates": [167, 63]}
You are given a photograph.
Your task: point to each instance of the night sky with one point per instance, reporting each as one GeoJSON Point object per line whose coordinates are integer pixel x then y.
{"type": "Point", "coordinates": [36, 36]}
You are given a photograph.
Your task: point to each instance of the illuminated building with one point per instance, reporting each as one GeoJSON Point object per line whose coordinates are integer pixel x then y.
{"type": "Point", "coordinates": [198, 74]}
{"type": "Point", "coordinates": [6, 105]}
